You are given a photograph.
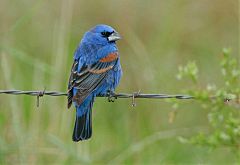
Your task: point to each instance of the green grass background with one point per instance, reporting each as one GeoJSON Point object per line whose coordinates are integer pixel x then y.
{"type": "Point", "coordinates": [37, 42]}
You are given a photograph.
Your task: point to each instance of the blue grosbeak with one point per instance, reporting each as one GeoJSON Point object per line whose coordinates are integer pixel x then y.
{"type": "Point", "coordinates": [96, 70]}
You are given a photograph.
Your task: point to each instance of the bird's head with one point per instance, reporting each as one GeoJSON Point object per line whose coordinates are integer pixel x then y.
{"type": "Point", "coordinates": [101, 34]}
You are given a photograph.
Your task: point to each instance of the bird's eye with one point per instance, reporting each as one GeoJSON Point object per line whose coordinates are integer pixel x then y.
{"type": "Point", "coordinates": [106, 34]}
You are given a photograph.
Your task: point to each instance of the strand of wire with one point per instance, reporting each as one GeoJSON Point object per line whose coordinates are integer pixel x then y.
{"type": "Point", "coordinates": [115, 95]}
{"type": "Point", "coordinates": [111, 96]}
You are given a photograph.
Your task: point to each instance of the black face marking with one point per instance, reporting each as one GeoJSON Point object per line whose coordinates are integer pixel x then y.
{"type": "Point", "coordinates": [106, 33]}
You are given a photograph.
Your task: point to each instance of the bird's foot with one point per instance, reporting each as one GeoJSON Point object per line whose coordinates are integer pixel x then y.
{"type": "Point", "coordinates": [111, 96]}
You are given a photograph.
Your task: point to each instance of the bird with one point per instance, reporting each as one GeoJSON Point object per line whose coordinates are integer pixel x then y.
{"type": "Point", "coordinates": [96, 71]}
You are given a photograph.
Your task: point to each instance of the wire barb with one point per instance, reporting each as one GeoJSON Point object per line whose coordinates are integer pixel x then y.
{"type": "Point", "coordinates": [40, 94]}
{"type": "Point", "coordinates": [135, 94]}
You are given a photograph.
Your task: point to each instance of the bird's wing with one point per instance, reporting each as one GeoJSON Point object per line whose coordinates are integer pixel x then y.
{"type": "Point", "coordinates": [71, 82]}
{"type": "Point", "coordinates": [89, 78]}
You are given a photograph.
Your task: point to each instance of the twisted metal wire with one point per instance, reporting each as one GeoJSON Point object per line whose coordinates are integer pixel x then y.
{"type": "Point", "coordinates": [111, 96]}
{"type": "Point", "coordinates": [33, 93]}
{"type": "Point", "coordinates": [115, 95]}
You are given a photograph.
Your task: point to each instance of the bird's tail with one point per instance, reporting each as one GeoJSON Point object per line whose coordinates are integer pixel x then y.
{"type": "Point", "coordinates": [83, 123]}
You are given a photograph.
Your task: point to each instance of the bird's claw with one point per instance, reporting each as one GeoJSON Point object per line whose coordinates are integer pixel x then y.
{"type": "Point", "coordinates": [111, 96]}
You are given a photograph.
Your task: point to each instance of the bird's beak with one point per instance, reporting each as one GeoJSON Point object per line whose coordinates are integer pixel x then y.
{"type": "Point", "coordinates": [114, 37]}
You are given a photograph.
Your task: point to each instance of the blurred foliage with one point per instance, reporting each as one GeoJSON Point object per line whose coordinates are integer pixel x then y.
{"type": "Point", "coordinates": [223, 104]}
{"type": "Point", "coordinates": [190, 70]}
{"type": "Point", "coordinates": [37, 42]}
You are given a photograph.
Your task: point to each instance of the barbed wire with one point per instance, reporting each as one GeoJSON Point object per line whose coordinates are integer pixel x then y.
{"type": "Point", "coordinates": [134, 95]}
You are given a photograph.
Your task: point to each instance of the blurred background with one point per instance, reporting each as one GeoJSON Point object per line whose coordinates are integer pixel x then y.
{"type": "Point", "coordinates": [37, 42]}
